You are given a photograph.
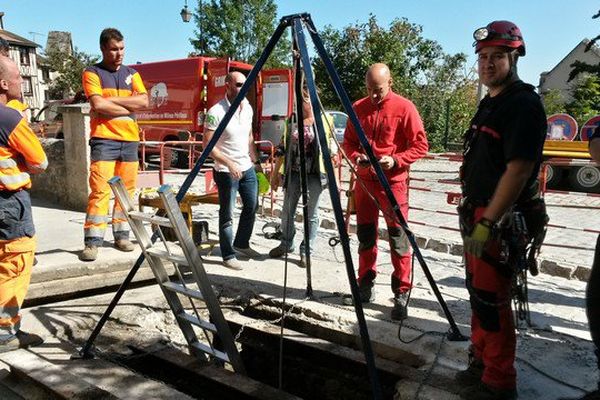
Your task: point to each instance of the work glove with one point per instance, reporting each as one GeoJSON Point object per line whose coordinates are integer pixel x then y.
{"type": "Point", "coordinates": [477, 240]}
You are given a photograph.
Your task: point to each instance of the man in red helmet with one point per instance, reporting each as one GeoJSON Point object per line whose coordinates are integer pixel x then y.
{"type": "Point", "coordinates": [502, 155]}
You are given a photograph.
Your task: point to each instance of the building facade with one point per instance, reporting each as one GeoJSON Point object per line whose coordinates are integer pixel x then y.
{"type": "Point", "coordinates": [24, 53]}
{"type": "Point", "coordinates": [558, 77]}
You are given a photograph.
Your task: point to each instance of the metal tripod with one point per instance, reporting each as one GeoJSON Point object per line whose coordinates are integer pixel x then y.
{"type": "Point", "coordinates": [296, 22]}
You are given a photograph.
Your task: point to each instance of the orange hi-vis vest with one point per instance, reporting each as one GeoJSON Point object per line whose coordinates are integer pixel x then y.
{"type": "Point", "coordinates": [20, 151]}
{"type": "Point", "coordinates": [124, 82]}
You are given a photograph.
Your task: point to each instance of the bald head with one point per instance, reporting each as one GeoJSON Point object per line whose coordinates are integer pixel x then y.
{"type": "Point", "coordinates": [10, 80]}
{"type": "Point", "coordinates": [234, 75]}
{"type": "Point", "coordinates": [4, 47]}
{"type": "Point", "coordinates": [4, 66]}
{"type": "Point", "coordinates": [233, 83]}
{"type": "Point", "coordinates": [378, 81]}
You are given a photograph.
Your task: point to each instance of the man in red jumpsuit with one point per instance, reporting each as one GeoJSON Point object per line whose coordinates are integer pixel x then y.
{"type": "Point", "coordinates": [395, 132]}
{"type": "Point", "coordinates": [502, 156]}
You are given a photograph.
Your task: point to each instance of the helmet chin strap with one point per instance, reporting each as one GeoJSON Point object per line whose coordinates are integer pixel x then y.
{"type": "Point", "coordinates": [512, 73]}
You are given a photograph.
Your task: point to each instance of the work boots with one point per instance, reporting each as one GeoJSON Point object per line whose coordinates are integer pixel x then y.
{"type": "Point", "coordinates": [280, 251]}
{"type": "Point", "coordinates": [124, 245]}
{"type": "Point", "coordinates": [400, 310]}
{"type": "Point", "coordinates": [22, 340]}
{"type": "Point", "coordinates": [367, 291]}
{"type": "Point", "coordinates": [482, 391]}
{"type": "Point", "coordinates": [472, 375]}
{"type": "Point", "coordinates": [89, 253]}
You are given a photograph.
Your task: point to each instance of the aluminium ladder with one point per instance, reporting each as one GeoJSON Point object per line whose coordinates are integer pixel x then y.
{"type": "Point", "coordinates": [172, 289]}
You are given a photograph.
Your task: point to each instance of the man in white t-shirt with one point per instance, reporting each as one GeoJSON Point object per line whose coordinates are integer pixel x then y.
{"type": "Point", "coordinates": [235, 159]}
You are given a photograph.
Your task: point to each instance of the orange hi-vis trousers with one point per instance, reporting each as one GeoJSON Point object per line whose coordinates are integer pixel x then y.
{"type": "Point", "coordinates": [16, 261]}
{"type": "Point", "coordinates": [96, 218]}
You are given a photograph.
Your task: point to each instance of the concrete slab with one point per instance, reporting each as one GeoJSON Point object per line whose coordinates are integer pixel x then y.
{"type": "Point", "coordinates": [49, 366]}
{"type": "Point", "coordinates": [52, 377]}
{"type": "Point", "coordinates": [559, 344]}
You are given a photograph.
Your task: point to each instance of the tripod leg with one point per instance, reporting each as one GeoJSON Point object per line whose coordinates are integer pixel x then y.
{"type": "Point", "coordinates": [337, 208]}
{"type": "Point", "coordinates": [303, 174]}
{"type": "Point", "coordinates": [86, 350]}
{"type": "Point", "coordinates": [454, 333]}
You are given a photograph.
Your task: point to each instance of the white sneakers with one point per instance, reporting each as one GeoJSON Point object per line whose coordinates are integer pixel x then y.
{"type": "Point", "coordinates": [233, 263]}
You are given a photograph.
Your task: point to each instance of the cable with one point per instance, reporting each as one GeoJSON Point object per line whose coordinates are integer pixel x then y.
{"type": "Point", "coordinates": [401, 323]}
{"type": "Point", "coordinates": [547, 375]}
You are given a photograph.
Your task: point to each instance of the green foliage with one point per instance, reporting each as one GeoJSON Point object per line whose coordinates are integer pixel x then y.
{"type": "Point", "coordinates": [238, 29]}
{"type": "Point", "coordinates": [553, 102]}
{"type": "Point", "coordinates": [586, 99]}
{"type": "Point", "coordinates": [69, 68]}
{"type": "Point", "coordinates": [421, 71]}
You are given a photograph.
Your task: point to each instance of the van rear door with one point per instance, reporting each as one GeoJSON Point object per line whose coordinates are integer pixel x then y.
{"type": "Point", "coordinates": [216, 73]}
{"type": "Point", "coordinates": [276, 107]}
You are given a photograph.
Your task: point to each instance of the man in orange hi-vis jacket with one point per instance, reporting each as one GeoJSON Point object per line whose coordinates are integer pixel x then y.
{"type": "Point", "coordinates": [115, 92]}
{"type": "Point", "coordinates": [20, 154]}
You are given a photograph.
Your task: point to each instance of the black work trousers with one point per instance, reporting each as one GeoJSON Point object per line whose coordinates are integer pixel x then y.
{"type": "Point", "coordinates": [593, 300]}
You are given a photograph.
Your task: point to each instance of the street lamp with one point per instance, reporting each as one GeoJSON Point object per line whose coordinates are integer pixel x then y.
{"type": "Point", "coordinates": [186, 15]}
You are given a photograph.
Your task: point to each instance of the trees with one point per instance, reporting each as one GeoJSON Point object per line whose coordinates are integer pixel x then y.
{"type": "Point", "coordinates": [586, 98]}
{"type": "Point", "coordinates": [238, 29]}
{"type": "Point", "coordinates": [420, 70]}
{"type": "Point", "coordinates": [553, 102]}
{"type": "Point", "coordinates": [69, 66]}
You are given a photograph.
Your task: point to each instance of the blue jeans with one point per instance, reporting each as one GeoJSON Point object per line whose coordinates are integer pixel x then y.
{"type": "Point", "coordinates": [290, 203]}
{"type": "Point", "coordinates": [228, 187]}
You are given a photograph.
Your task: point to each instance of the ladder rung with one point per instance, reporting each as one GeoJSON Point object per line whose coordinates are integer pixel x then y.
{"type": "Point", "coordinates": [206, 349]}
{"type": "Point", "coordinates": [176, 287]}
{"type": "Point", "coordinates": [153, 219]}
{"type": "Point", "coordinates": [198, 322]}
{"type": "Point", "coordinates": [178, 259]}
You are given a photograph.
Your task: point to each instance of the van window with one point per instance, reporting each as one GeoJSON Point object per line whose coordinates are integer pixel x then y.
{"type": "Point", "coordinates": [275, 99]}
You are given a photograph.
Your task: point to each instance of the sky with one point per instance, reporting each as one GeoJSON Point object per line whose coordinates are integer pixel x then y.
{"type": "Point", "coordinates": [154, 31]}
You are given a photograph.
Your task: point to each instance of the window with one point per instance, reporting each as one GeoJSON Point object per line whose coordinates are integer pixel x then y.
{"type": "Point", "coordinates": [26, 86]}
{"type": "Point", "coordinates": [24, 55]}
{"type": "Point", "coordinates": [339, 120]}
{"type": "Point", "coordinates": [46, 74]}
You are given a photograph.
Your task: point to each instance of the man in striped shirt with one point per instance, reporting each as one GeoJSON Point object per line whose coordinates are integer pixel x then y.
{"type": "Point", "coordinates": [115, 92]}
{"type": "Point", "coordinates": [20, 155]}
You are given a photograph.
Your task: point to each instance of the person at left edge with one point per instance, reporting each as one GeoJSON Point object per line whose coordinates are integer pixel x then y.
{"type": "Point", "coordinates": [115, 92]}
{"type": "Point", "coordinates": [20, 155]}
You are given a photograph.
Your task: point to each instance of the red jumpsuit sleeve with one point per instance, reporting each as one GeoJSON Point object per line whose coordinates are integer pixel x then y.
{"type": "Point", "coordinates": [351, 144]}
{"type": "Point", "coordinates": [411, 131]}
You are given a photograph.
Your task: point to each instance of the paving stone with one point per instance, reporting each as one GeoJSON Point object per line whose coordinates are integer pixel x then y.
{"type": "Point", "coordinates": [553, 268]}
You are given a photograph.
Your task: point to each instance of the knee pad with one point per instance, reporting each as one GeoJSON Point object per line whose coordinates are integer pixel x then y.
{"type": "Point", "coordinates": [484, 306]}
{"type": "Point", "coordinates": [398, 240]}
{"type": "Point", "coordinates": [367, 236]}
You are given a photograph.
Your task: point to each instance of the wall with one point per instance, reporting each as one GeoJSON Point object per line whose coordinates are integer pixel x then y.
{"type": "Point", "coordinates": [66, 180]}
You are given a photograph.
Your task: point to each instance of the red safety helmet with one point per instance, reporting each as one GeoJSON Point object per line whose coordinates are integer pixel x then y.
{"type": "Point", "coordinates": [499, 33]}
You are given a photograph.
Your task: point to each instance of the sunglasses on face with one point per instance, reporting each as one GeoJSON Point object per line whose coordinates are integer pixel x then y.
{"type": "Point", "coordinates": [239, 84]}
